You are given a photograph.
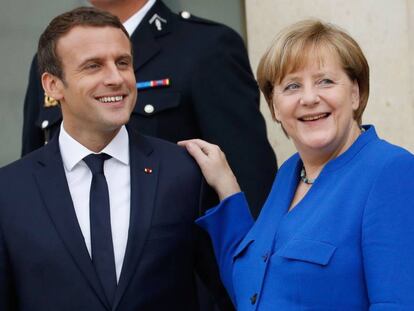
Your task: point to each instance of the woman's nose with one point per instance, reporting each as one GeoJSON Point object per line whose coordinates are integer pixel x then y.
{"type": "Point", "coordinates": [309, 96]}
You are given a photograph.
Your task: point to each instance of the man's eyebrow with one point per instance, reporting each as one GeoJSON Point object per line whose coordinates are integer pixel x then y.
{"type": "Point", "coordinates": [125, 56]}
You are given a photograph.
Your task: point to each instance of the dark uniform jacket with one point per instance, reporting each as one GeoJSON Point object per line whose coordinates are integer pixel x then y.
{"type": "Point", "coordinates": [212, 95]}
{"type": "Point", "coordinates": [45, 265]}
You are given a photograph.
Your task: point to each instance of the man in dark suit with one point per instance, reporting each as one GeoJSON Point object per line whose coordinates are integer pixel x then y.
{"type": "Point", "coordinates": [202, 86]}
{"type": "Point", "coordinates": [101, 218]}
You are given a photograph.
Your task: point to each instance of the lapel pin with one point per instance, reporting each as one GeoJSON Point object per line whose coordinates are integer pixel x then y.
{"type": "Point", "coordinates": [157, 20]}
{"type": "Point", "coordinates": [153, 83]}
{"type": "Point", "coordinates": [148, 170]}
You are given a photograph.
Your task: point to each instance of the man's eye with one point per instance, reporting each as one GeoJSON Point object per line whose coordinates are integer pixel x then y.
{"type": "Point", "coordinates": [291, 87]}
{"type": "Point", "coordinates": [91, 66]}
{"type": "Point", "coordinates": [124, 63]}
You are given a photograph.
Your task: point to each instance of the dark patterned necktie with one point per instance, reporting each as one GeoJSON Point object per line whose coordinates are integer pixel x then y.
{"type": "Point", "coordinates": [100, 219]}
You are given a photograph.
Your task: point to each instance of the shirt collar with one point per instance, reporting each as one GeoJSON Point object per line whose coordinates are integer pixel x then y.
{"type": "Point", "coordinates": [73, 152]}
{"type": "Point", "coordinates": [132, 23]}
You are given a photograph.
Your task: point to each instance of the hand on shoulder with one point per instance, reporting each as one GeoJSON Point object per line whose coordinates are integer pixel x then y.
{"type": "Point", "coordinates": [213, 165]}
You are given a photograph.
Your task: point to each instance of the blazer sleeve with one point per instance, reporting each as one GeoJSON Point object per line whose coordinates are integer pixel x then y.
{"type": "Point", "coordinates": [227, 224]}
{"type": "Point", "coordinates": [32, 137]}
{"type": "Point", "coordinates": [388, 237]}
{"type": "Point", "coordinates": [226, 105]}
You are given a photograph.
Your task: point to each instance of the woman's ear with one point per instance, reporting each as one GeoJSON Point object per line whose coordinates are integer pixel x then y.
{"type": "Point", "coordinates": [355, 95]}
{"type": "Point", "coordinates": [276, 112]}
{"type": "Point", "coordinates": [52, 85]}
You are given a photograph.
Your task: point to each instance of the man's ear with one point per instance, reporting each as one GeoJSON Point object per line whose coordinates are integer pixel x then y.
{"type": "Point", "coordinates": [52, 85]}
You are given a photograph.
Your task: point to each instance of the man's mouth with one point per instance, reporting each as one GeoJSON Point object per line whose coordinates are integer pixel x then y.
{"type": "Point", "coordinates": [314, 117]}
{"type": "Point", "coordinates": [110, 99]}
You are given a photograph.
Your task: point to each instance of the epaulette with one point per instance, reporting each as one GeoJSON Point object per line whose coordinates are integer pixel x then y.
{"type": "Point", "coordinates": [187, 16]}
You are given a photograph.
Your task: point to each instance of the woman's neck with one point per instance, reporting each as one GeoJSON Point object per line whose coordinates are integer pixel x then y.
{"type": "Point", "coordinates": [314, 160]}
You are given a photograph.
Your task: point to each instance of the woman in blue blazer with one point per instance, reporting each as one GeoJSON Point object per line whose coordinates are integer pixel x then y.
{"type": "Point", "coordinates": [337, 229]}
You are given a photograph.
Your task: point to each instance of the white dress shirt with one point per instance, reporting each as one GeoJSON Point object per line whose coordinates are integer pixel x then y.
{"type": "Point", "coordinates": [117, 173]}
{"type": "Point", "coordinates": [132, 23]}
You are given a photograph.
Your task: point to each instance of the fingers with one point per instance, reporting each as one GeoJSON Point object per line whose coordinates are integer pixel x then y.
{"type": "Point", "coordinates": [197, 153]}
{"type": "Point", "coordinates": [213, 165]}
{"type": "Point", "coordinates": [205, 147]}
{"type": "Point", "coordinates": [202, 144]}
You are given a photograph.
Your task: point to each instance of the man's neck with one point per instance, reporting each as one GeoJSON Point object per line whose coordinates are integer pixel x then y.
{"type": "Point", "coordinates": [94, 141]}
{"type": "Point", "coordinates": [124, 9]}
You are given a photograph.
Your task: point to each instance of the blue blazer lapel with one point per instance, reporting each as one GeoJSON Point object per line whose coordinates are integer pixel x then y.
{"type": "Point", "coordinates": [144, 178]}
{"type": "Point", "coordinates": [52, 184]}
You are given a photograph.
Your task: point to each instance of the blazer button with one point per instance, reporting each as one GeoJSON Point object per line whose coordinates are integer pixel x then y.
{"type": "Point", "coordinates": [149, 109]}
{"type": "Point", "coordinates": [253, 299]}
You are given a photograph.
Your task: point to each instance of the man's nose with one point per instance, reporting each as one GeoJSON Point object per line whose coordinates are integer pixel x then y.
{"type": "Point", "coordinates": [113, 76]}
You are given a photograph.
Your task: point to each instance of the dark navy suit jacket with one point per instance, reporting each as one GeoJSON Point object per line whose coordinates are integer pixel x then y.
{"type": "Point", "coordinates": [44, 262]}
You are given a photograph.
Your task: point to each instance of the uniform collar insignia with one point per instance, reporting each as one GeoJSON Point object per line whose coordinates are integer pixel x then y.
{"type": "Point", "coordinates": [157, 20]}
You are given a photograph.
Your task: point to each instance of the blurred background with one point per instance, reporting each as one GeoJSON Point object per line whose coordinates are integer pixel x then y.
{"type": "Point", "coordinates": [384, 29]}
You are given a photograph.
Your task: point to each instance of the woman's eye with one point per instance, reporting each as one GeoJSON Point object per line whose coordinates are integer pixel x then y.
{"type": "Point", "coordinates": [326, 82]}
{"type": "Point", "coordinates": [291, 86]}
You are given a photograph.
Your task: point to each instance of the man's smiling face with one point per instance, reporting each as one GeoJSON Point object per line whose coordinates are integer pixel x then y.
{"type": "Point", "coordinates": [97, 92]}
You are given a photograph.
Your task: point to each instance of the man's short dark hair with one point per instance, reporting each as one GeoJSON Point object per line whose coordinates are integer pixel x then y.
{"type": "Point", "coordinates": [47, 57]}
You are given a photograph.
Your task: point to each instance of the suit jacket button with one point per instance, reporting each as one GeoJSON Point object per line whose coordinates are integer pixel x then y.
{"type": "Point", "coordinates": [149, 109]}
{"type": "Point", "coordinates": [253, 299]}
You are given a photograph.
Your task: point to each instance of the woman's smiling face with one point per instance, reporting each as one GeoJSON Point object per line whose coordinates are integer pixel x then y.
{"type": "Point", "coordinates": [315, 104]}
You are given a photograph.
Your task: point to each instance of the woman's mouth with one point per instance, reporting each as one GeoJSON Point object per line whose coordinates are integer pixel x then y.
{"type": "Point", "coordinates": [314, 117]}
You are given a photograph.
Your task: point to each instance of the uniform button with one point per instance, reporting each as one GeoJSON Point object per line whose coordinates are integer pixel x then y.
{"type": "Point", "coordinates": [265, 257]}
{"type": "Point", "coordinates": [253, 299]}
{"type": "Point", "coordinates": [45, 123]}
{"type": "Point", "coordinates": [149, 108]}
{"type": "Point", "coordinates": [185, 14]}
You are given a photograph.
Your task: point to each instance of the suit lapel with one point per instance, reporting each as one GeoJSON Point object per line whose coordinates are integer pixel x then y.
{"type": "Point", "coordinates": [51, 180]}
{"type": "Point", "coordinates": [144, 176]}
{"type": "Point", "coordinates": [144, 38]}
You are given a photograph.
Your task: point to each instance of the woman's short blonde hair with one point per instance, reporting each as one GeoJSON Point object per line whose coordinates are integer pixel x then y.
{"type": "Point", "coordinates": [293, 47]}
